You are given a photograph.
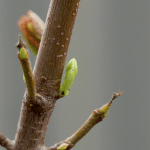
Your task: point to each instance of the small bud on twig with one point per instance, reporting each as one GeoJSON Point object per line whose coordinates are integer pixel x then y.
{"type": "Point", "coordinates": [63, 146]}
{"type": "Point", "coordinates": [28, 78]}
{"type": "Point", "coordinates": [71, 72]}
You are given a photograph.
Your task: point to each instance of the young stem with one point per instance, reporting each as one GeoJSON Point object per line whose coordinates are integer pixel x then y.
{"type": "Point", "coordinates": [23, 56]}
{"type": "Point", "coordinates": [97, 116]}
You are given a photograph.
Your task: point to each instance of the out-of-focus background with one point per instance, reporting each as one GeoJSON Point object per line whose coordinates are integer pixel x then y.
{"type": "Point", "coordinates": [111, 43]}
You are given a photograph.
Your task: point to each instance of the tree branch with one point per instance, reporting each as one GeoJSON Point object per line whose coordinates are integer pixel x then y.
{"type": "Point", "coordinates": [47, 72]}
{"type": "Point", "coordinates": [55, 40]}
{"type": "Point", "coordinates": [5, 142]}
{"type": "Point", "coordinates": [97, 116]}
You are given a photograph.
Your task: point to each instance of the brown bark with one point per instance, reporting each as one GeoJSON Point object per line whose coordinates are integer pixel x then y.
{"type": "Point", "coordinates": [5, 142]}
{"type": "Point", "coordinates": [48, 70]}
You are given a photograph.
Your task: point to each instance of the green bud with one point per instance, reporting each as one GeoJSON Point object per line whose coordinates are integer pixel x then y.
{"type": "Point", "coordinates": [104, 109]}
{"type": "Point", "coordinates": [24, 79]}
{"type": "Point", "coordinates": [71, 72]}
{"type": "Point", "coordinates": [63, 146]}
{"type": "Point", "coordinates": [23, 53]}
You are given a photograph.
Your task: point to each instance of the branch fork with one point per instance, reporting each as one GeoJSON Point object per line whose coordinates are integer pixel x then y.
{"type": "Point", "coordinates": [43, 84]}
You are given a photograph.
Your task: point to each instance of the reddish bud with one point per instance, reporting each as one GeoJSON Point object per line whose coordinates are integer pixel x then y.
{"type": "Point", "coordinates": [31, 27]}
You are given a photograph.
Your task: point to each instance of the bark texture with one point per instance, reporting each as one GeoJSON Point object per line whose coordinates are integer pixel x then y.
{"type": "Point", "coordinates": [47, 72]}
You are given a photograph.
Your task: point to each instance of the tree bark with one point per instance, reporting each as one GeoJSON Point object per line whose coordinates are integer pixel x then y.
{"type": "Point", "coordinates": [48, 71]}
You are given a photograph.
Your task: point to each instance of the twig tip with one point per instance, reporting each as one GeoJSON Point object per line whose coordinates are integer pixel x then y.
{"type": "Point", "coordinates": [20, 43]}
{"type": "Point", "coordinates": [115, 95]}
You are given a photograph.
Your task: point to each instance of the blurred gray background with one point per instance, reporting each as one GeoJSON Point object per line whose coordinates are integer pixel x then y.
{"type": "Point", "coordinates": [111, 42]}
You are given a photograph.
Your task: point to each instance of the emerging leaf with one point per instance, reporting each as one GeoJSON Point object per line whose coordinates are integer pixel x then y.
{"type": "Point", "coordinates": [31, 27]}
{"type": "Point", "coordinates": [71, 72]}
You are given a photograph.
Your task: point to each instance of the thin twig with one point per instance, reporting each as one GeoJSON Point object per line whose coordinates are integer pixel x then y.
{"type": "Point", "coordinates": [97, 116]}
{"type": "Point", "coordinates": [27, 69]}
{"type": "Point", "coordinates": [5, 142]}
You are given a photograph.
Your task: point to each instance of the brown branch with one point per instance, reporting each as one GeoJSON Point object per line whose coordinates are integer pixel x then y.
{"type": "Point", "coordinates": [55, 40]}
{"type": "Point", "coordinates": [97, 116]}
{"type": "Point", "coordinates": [5, 142]}
{"type": "Point", "coordinates": [48, 70]}
{"type": "Point", "coordinates": [53, 48]}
